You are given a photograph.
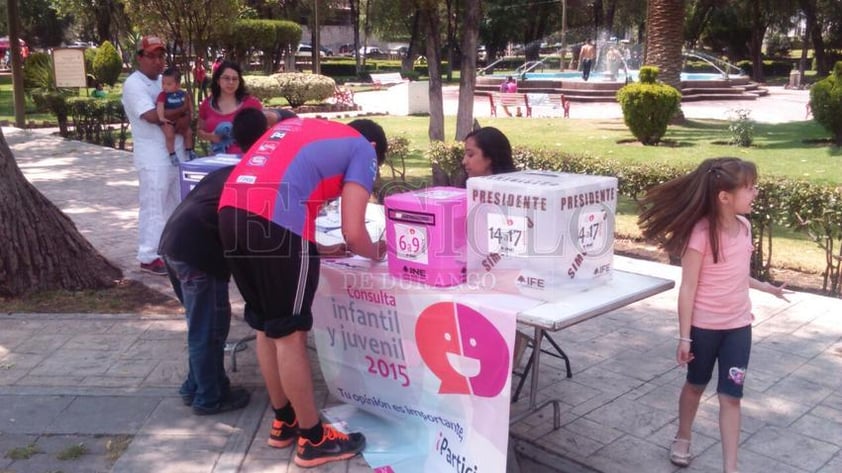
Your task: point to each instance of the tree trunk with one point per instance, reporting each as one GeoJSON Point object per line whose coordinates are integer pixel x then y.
{"type": "Point", "coordinates": [758, 30]}
{"type": "Point", "coordinates": [664, 37]}
{"type": "Point", "coordinates": [408, 61]}
{"type": "Point", "coordinates": [814, 30]}
{"type": "Point", "coordinates": [470, 35]}
{"type": "Point", "coordinates": [431, 26]}
{"type": "Point", "coordinates": [40, 247]}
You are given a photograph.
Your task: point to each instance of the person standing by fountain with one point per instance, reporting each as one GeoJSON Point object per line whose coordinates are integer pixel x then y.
{"type": "Point", "coordinates": [586, 58]}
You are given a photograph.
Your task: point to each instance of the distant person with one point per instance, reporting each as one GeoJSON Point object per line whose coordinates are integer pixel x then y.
{"type": "Point", "coordinates": [216, 63]}
{"type": "Point", "coordinates": [175, 107]}
{"type": "Point", "coordinates": [98, 93]}
{"type": "Point", "coordinates": [216, 113]}
{"type": "Point", "coordinates": [159, 191]}
{"type": "Point", "coordinates": [487, 152]}
{"type": "Point", "coordinates": [586, 58]}
{"type": "Point", "coordinates": [700, 217]}
{"type": "Point", "coordinates": [615, 60]}
{"type": "Point", "coordinates": [200, 79]}
{"type": "Point", "coordinates": [509, 86]}
{"type": "Point", "coordinates": [192, 250]}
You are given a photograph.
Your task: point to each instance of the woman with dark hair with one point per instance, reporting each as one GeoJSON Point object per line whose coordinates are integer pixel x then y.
{"type": "Point", "coordinates": [216, 113]}
{"type": "Point", "coordinates": [487, 152]}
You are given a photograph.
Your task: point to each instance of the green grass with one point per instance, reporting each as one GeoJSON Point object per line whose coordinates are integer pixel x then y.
{"type": "Point", "coordinates": [23, 453]}
{"type": "Point", "coordinates": [72, 452]}
{"type": "Point", "coordinates": [779, 149]}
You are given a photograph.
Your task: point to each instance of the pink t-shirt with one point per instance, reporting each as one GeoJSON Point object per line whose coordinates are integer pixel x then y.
{"type": "Point", "coordinates": [721, 300]}
{"type": "Point", "coordinates": [211, 118]}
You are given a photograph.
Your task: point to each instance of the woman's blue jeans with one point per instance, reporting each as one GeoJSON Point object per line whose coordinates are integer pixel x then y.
{"type": "Point", "coordinates": [208, 314]}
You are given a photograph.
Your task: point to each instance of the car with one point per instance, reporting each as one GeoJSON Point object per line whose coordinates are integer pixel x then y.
{"type": "Point", "coordinates": [347, 48]}
{"type": "Point", "coordinates": [372, 51]}
{"type": "Point", "coordinates": [305, 51]}
{"type": "Point", "coordinates": [326, 51]}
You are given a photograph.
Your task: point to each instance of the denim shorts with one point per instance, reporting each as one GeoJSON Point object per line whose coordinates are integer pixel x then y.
{"type": "Point", "coordinates": [729, 349]}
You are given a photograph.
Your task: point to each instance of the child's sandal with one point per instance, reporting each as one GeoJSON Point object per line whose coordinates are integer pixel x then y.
{"type": "Point", "coordinates": [680, 458]}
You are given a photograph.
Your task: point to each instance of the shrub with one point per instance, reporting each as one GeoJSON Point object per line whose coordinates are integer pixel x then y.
{"type": "Point", "coordinates": [826, 102]}
{"type": "Point", "coordinates": [38, 73]}
{"type": "Point", "coordinates": [298, 88]}
{"type": "Point", "coordinates": [446, 162]}
{"type": "Point", "coordinates": [648, 106]}
{"type": "Point", "coordinates": [107, 64]}
{"type": "Point", "coordinates": [93, 121]}
{"type": "Point", "coordinates": [741, 127]}
{"type": "Point", "coordinates": [90, 55]}
{"type": "Point", "coordinates": [263, 87]}
{"type": "Point", "coordinates": [54, 102]}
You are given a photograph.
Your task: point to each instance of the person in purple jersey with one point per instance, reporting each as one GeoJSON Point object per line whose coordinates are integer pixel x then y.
{"type": "Point", "coordinates": [267, 226]}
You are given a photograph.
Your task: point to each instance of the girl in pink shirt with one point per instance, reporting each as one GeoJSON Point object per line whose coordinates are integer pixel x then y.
{"type": "Point", "coordinates": [700, 217]}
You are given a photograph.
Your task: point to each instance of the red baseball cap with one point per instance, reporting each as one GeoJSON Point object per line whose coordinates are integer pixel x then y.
{"type": "Point", "coordinates": [151, 44]}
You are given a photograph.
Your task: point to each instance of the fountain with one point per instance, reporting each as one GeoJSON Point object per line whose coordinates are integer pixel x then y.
{"type": "Point", "coordinates": [617, 64]}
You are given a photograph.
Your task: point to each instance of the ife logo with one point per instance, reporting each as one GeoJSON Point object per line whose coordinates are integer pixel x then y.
{"type": "Point", "coordinates": [463, 349]}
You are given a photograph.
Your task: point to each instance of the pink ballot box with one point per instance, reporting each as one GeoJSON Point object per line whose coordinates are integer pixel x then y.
{"type": "Point", "coordinates": [541, 233]}
{"type": "Point", "coordinates": [425, 232]}
{"type": "Point", "coordinates": [192, 172]}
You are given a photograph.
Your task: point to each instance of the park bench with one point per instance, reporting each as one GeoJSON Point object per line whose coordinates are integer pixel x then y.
{"type": "Point", "coordinates": [386, 78]}
{"type": "Point", "coordinates": [507, 100]}
{"type": "Point", "coordinates": [549, 104]}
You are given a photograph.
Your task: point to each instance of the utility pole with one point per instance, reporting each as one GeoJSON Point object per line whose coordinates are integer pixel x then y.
{"type": "Point", "coordinates": [17, 61]}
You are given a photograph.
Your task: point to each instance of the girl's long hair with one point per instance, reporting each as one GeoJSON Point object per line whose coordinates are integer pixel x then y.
{"type": "Point", "coordinates": [670, 210]}
{"type": "Point", "coordinates": [240, 93]}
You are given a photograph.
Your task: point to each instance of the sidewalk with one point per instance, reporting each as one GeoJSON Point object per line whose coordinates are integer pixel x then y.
{"type": "Point", "coordinates": [99, 379]}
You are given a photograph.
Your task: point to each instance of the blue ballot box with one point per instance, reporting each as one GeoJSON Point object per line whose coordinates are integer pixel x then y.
{"type": "Point", "coordinates": [192, 172]}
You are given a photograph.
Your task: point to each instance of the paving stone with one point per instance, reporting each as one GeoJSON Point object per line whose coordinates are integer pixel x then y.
{"type": "Point", "coordinates": [100, 342]}
{"type": "Point", "coordinates": [631, 417]}
{"type": "Point", "coordinates": [630, 454]}
{"type": "Point", "coordinates": [172, 418]}
{"type": "Point", "coordinates": [155, 349]}
{"type": "Point", "coordinates": [131, 368]}
{"type": "Point", "coordinates": [833, 466]}
{"type": "Point", "coordinates": [791, 448]}
{"type": "Point", "coordinates": [30, 414]}
{"type": "Point", "coordinates": [103, 415]}
{"type": "Point", "coordinates": [74, 363]}
{"type": "Point", "coordinates": [821, 427]}
{"type": "Point", "coordinates": [172, 454]}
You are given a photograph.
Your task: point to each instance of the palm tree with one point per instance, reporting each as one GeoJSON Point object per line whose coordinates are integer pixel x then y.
{"type": "Point", "coordinates": [664, 39]}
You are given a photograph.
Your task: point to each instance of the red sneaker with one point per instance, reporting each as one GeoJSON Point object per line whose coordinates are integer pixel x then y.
{"type": "Point", "coordinates": [156, 267]}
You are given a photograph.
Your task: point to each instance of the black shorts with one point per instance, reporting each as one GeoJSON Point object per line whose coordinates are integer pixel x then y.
{"type": "Point", "coordinates": [729, 349]}
{"type": "Point", "coordinates": [276, 271]}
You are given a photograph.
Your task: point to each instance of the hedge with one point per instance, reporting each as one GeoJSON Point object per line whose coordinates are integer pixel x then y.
{"type": "Point", "coordinates": [807, 207]}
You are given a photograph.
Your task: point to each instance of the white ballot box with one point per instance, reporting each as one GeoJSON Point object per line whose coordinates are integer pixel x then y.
{"type": "Point", "coordinates": [541, 233]}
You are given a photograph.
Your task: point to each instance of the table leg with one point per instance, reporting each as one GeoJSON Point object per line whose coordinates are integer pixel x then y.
{"type": "Point", "coordinates": [533, 383]}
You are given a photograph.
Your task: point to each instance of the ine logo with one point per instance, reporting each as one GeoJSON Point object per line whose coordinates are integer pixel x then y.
{"type": "Point", "coordinates": [462, 348]}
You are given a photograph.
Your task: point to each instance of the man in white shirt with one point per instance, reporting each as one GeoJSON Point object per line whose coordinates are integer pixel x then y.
{"type": "Point", "coordinates": [157, 174]}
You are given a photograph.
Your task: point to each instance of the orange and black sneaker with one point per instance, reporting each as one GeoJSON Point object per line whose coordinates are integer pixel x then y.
{"type": "Point", "coordinates": [282, 434]}
{"type": "Point", "coordinates": [334, 446]}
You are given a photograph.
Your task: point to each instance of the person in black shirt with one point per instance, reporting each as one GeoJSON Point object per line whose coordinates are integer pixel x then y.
{"type": "Point", "coordinates": [199, 274]}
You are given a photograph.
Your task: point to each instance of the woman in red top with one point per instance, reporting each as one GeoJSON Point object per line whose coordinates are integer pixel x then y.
{"type": "Point", "coordinates": [216, 113]}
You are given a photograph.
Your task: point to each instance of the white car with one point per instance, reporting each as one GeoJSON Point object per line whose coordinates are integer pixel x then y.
{"type": "Point", "coordinates": [305, 51]}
